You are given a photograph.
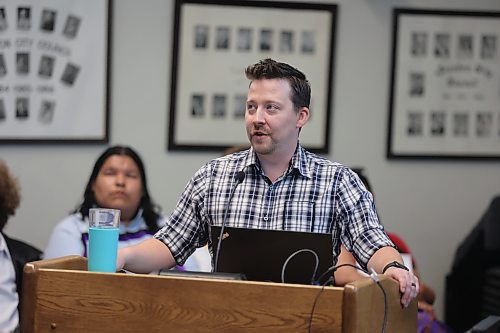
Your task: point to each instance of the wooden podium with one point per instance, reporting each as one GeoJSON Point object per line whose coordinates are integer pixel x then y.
{"type": "Point", "coordinates": [61, 296]}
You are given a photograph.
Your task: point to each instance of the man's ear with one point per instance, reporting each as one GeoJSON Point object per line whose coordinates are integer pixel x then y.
{"type": "Point", "coordinates": [303, 116]}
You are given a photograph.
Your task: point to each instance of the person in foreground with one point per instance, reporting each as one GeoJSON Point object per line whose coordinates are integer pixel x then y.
{"type": "Point", "coordinates": [118, 180]}
{"type": "Point", "coordinates": [14, 254]}
{"type": "Point", "coordinates": [285, 188]}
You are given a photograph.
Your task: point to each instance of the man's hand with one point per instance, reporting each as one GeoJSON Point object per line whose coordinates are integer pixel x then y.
{"type": "Point", "coordinates": [386, 260]}
{"type": "Point", "coordinates": [408, 284]}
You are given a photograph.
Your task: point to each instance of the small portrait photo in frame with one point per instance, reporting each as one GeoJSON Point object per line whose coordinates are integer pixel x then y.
{"type": "Point", "coordinates": [417, 84]}
{"type": "Point", "coordinates": [266, 39]}
{"type": "Point", "coordinates": [3, 114]}
{"type": "Point", "coordinates": [24, 18]}
{"type": "Point", "coordinates": [219, 106]}
{"type": "Point", "coordinates": [222, 38]}
{"type": "Point", "coordinates": [48, 20]}
{"type": "Point", "coordinates": [465, 46]}
{"type": "Point", "coordinates": [415, 123]}
{"type": "Point", "coordinates": [484, 124]}
{"type": "Point", "coordinates": [22, 63]}
{"type": "Point", "coordinates": [442, 45]}
{"type": "Point", "coordinates": [489, 46]}
{"type": "Point", "coordinates": [197, 105]}
{"type": "Point", "coordinates": [71, 26]}
{"type": "Point", "coordinates": [438, 123]}
{"type": "Point", "coordinates": [460, 124]}
{"type": "Point", "coordinates": [287, 41]}
{"type": "Point", "coordinates": [46, 113]}
{"type": "Point", "coordinates": [3, 19]}
{"type": "Point", "coordinates": [201, 36]}
{"type": "Point", "coordinates": [22, 107]}
{"type": "Point", "coordinates": [46, 66]}
{"type": "Point", "coordinates": [70, 73]}
{"type": "Point", "coordinates": [3, 67]}
{"type": "Point", "coordinates": [245, 39]}
{"type": "Point", "coordinates": [308, 44]}
{"type": "Point", "coordinates": [419, 43]}
{"type": "Point", "coordinates": [239, 106]}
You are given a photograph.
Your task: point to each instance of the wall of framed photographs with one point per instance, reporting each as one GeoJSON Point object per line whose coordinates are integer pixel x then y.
{"type": "Point", "coordinates": [54, 71]}
{"type": "Point", "coordinates": [420, 199]}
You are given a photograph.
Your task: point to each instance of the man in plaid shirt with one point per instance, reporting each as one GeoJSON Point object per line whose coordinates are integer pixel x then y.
{"type": "Point", "coordinates": [276, 184]}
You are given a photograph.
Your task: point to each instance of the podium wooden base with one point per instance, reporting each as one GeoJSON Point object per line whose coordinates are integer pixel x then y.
{"type": "Point", "coordinates": [61, 296]}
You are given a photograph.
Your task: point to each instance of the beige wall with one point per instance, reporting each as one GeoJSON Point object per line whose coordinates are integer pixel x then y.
{"type": "Point", "coordinates": [433, 204]}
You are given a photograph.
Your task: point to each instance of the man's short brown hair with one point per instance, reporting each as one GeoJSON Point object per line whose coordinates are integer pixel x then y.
{"type": "Point", "coordinates": [271, 69]}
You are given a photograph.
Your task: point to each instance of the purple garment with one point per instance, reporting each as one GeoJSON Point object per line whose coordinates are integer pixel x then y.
{"type": "Point", "coordinates": [123, 237]}
{"type": "Point", "coordinates": [426, 325]}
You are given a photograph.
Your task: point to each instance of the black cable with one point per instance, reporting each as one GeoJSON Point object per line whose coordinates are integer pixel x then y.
{"type": "Point", "coordinates": [333, 269]}
{"type": "Point", "coordinates": [331, 280]}
{"type": "Point", "coordinates": [375, 278]}
{"type": "Point", "coordinates": [290, 257]}
{"type": "Point", "coordinates": [384, 325]}
{"type": "Point", "coordinates": [315, 301]}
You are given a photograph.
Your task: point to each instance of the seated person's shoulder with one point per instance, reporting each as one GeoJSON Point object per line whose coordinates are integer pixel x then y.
{"type": "Point", "coordinates": [66, 237]}
{"type": "Point", "coordinates": [72, 223]}
{"type": "Point", "coordinates": [22, 250]}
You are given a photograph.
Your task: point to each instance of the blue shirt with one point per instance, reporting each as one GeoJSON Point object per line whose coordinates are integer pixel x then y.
{"type": "Point", "coordinates": [314, 194]}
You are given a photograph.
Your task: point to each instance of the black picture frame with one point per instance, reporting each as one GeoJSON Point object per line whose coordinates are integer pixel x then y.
{"type": "Point", "coordinates": [445, 85]}
{"type": "Point", "coordinates": [52, 88]}
{"type": "Point", "coordinates": [215, 40]}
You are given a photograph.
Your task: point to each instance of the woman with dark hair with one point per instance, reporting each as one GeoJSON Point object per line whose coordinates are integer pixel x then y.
{"type": "Point", "coordinates": [118, 181]}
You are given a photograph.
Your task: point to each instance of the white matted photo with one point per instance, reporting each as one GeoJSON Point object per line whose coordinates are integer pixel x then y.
{"type": "Point", "coordinates": [214, 41]}
{"type": "Point", "coordinates": [445, 85]}
{"type": "Point", "coordinates": [54, 67]}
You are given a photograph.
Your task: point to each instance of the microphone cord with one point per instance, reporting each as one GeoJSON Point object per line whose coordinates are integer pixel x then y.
{"type": "Point", "coordinates": [333, 269]}
{"type": "Point", "coordinates": [375, 278]}
{"type": "Point", "coordinates": [283, 269]}
{"type": "Point", "coordinates": [331, 280]}
{"type": "Point", "coordinates": [240, 176]}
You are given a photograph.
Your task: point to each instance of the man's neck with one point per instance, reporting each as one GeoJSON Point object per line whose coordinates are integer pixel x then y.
{"type": "Point", "coordinates": [274, 165]}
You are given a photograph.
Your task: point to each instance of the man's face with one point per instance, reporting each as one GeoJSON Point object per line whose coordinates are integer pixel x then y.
{"type": "Point", "coordinates": [272, 123]}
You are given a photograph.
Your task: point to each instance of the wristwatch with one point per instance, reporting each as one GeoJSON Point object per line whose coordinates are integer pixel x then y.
{"type": "Point", "coordinates": [394, 264]}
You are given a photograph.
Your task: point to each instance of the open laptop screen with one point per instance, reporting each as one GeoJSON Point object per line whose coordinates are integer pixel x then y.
{"type": "Point", "coordinates": [273, 255]}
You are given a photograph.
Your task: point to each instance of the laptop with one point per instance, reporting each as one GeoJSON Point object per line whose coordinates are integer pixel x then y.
{"type": "Point", "coordinates": [274, 255]}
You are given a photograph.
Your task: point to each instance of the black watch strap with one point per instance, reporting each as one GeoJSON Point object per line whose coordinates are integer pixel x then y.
{"type": "Point", "coordinates": [394, 264]}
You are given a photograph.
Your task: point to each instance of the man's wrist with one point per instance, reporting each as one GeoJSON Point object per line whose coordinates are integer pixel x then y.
{"type": "Point", "coordinates": [394, 264]}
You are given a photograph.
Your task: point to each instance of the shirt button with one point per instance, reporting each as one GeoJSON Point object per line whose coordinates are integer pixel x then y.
{"type": "Point", "coordinates": [265, 218]}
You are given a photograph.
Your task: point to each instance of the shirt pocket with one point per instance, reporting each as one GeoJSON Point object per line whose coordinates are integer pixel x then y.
{"type": "Point", "coordinates": [299, 216]}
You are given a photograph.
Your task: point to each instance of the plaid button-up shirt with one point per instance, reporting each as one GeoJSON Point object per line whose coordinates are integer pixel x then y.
{"type": "Point", "coordinates": [314, 194]}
